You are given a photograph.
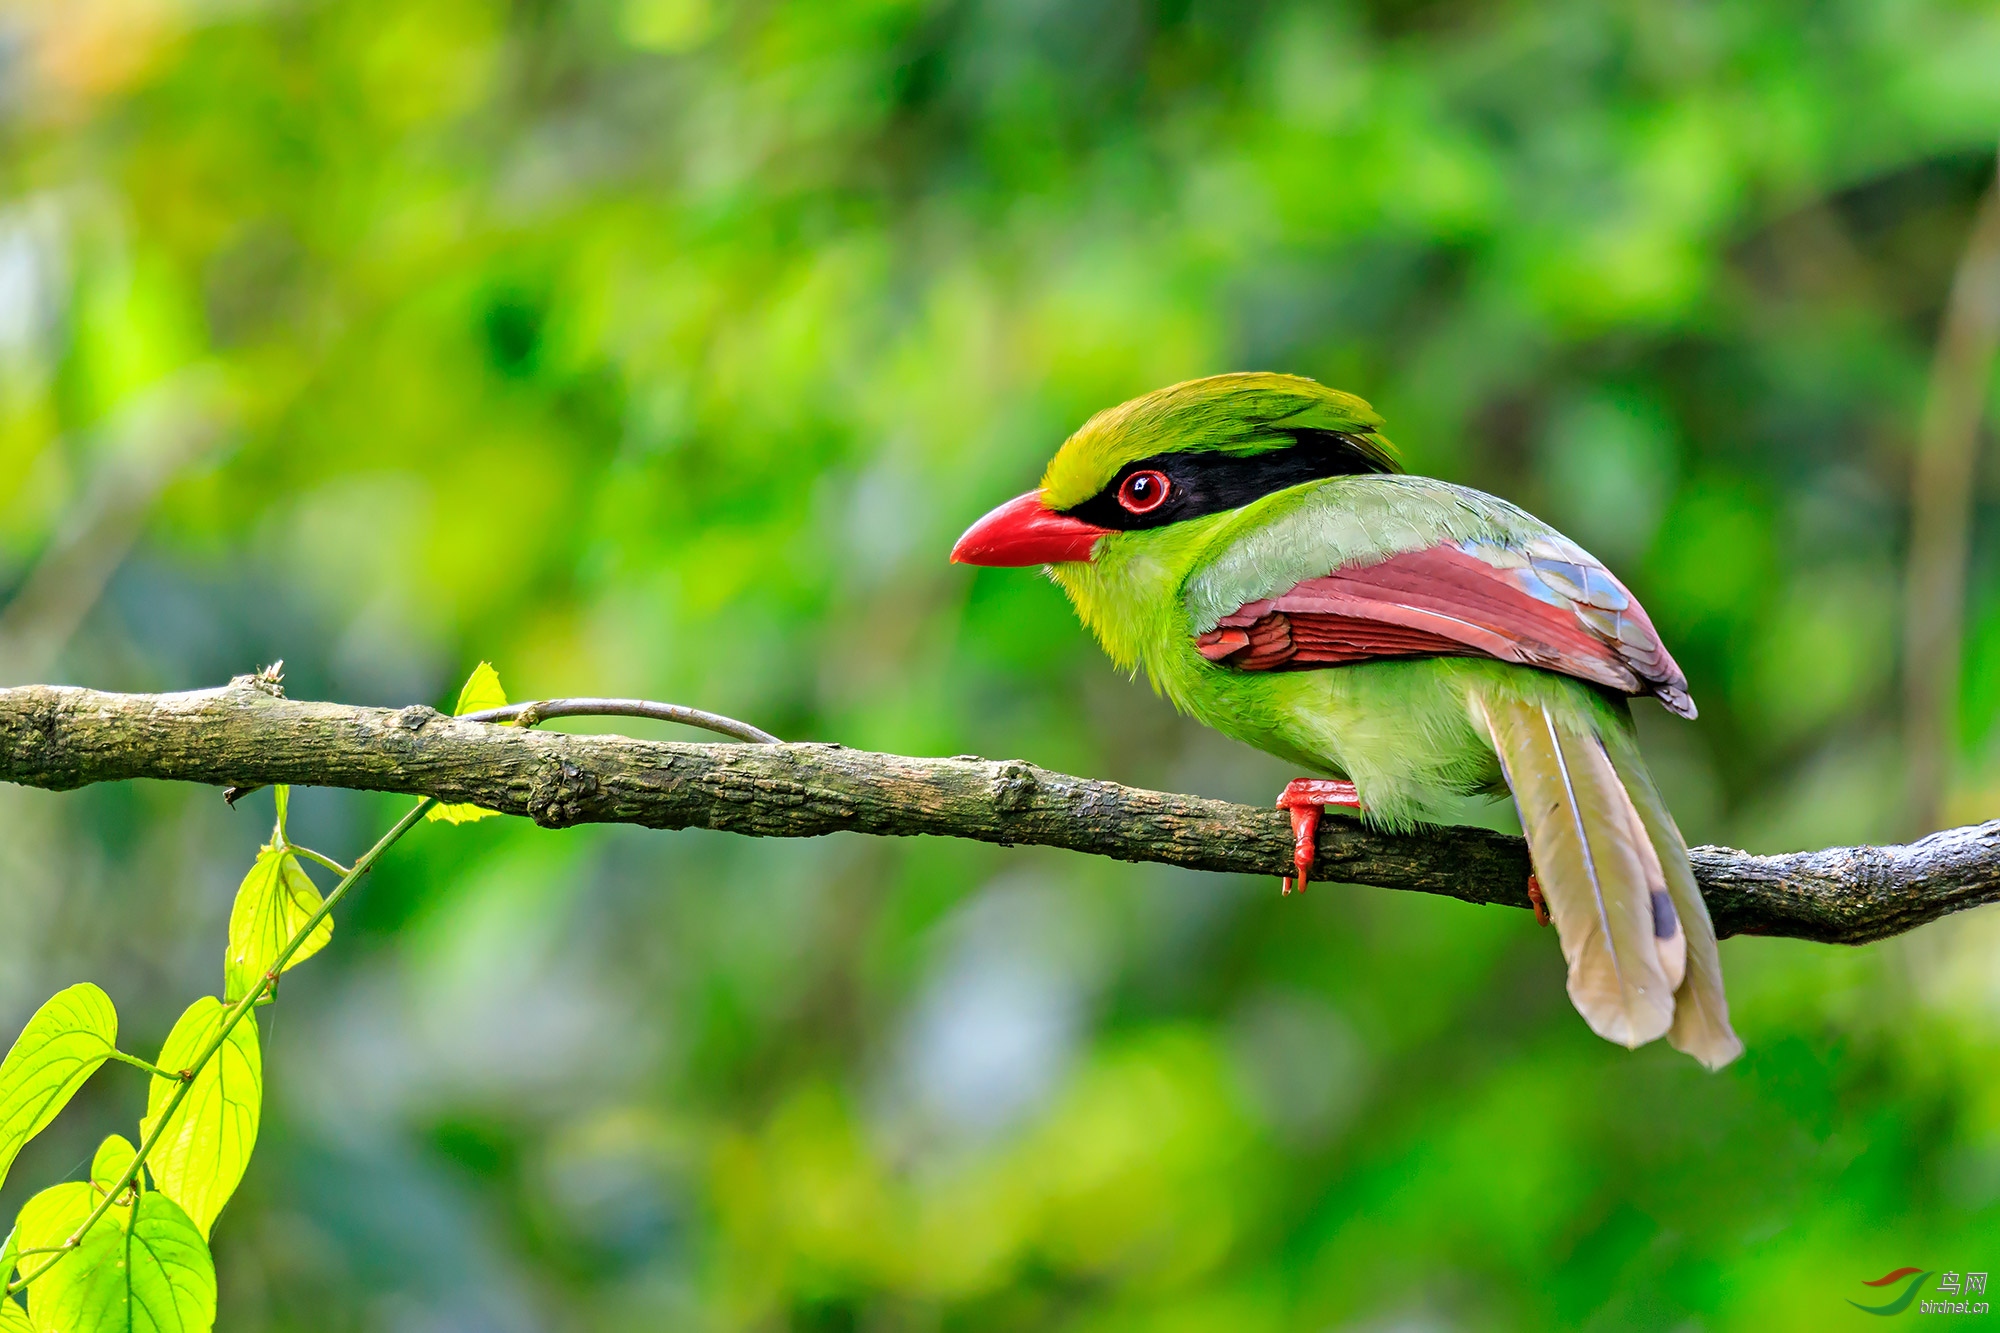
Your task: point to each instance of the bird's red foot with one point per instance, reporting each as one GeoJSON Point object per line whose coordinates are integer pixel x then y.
{"type": "Point", "coordinates": [1305, 798]}
{"type": "Point", "coordinates": [1535, 898]}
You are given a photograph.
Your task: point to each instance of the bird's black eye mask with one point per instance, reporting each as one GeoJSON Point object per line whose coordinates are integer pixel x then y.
{"type": "Point", "coordinates": [1207, 482]}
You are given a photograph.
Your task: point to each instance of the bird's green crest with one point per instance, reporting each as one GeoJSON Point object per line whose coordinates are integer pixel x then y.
{"type": "Point", "coordinates": [1248, 412]}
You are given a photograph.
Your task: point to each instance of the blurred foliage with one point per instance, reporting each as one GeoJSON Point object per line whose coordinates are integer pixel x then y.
{"type": "Point", "coordinates": [661, 347]}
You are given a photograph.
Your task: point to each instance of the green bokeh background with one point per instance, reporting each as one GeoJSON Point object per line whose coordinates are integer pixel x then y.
{"type": "Point", "coordinates": [661, 348]}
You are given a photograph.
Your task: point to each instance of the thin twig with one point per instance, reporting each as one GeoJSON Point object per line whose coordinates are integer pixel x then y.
{"type": "Point", "coordinates": [541, 710]}
{"type": "Point", "coordinates": [537, 711]}
{"type": "Point", "coordinates": [1941, 504]}
{"type": "Point", "coordinates": [146, 446]}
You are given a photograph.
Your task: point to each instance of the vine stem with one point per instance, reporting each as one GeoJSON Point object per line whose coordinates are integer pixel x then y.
{"type": "Point", "coordinates": [146, 1065]}
{"type": "Point", "coordinates": [230, 1019]}
{"type": "Point", "coordinates": [311, 855]}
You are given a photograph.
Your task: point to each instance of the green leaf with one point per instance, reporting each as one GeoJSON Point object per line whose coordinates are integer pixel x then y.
{"type": "Point", "coordinates": [482, 691]}
{"type": "Point", "coordinates": [62, 1045]}
{"type": "Point", "coordinates": [200, 1157]}
{"type": "Point", "coordinates": [113, 1160]}
{"type": "Point", "coordinates": [52, 1217]}
{"type": "Point", "coordinates": [49, 1220]}
{"type": "Point", "coordinates": [9, 1256]}
{"type": "Point", "coordinates": [151, 1272]}
{"type": "Point", "coordinates": [273, 904]}
{"type": "Point", "coordinates": [13, 1319]}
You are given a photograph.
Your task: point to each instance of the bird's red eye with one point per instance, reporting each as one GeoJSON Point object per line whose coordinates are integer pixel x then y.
{"type": "Point", "coordinates": [1143, 492]}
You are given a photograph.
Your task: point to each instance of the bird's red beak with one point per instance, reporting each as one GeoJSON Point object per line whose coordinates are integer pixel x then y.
{"type": "Point", "coordinates": [1025, 532]}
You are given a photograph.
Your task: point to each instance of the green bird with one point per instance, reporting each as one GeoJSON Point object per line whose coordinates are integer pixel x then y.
{"type": "Point", "coordinates": [1252, 541]}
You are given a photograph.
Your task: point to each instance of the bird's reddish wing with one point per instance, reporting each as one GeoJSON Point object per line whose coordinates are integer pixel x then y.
{"type": "Point", "coordinates": [1447, 601]}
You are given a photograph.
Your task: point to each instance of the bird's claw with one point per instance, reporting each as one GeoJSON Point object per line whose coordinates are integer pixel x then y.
{"type": "Point", "coordinates": [1304, 798]}
{"type": "Point", "coordinates": [1535, 899]}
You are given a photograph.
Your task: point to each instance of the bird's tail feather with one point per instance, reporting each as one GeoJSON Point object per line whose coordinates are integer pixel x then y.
{"type": "Point", "coordinates": [1615, 874]}
{"type": "Point", "coordinates": [1701, 1011]}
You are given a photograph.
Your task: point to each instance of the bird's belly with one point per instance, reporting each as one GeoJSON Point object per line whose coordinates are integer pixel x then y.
{"type": "Point", "coordinates": [1400, 730]}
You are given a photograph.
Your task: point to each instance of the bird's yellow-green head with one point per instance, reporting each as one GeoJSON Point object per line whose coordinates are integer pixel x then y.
{"type": "Point", "coordinates": [1180, 453]}
{"type": "Point", "coordinates": [1229, 431]}
{"type": "Point", "coordinates": [1130, 500]}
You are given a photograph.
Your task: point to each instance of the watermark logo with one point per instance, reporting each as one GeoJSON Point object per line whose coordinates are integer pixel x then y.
{"type": "Point", "coordinates": [1955, 1292]}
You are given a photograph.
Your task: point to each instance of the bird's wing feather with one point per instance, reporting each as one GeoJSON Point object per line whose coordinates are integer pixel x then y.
{"type": "Point", "coordinates": [1469, 576]}
{"type": "Point", "coordinates": [1600, 873]}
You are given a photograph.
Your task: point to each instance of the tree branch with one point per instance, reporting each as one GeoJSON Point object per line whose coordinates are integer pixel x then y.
{"type": "Point", "coordinates": [59, 738]}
